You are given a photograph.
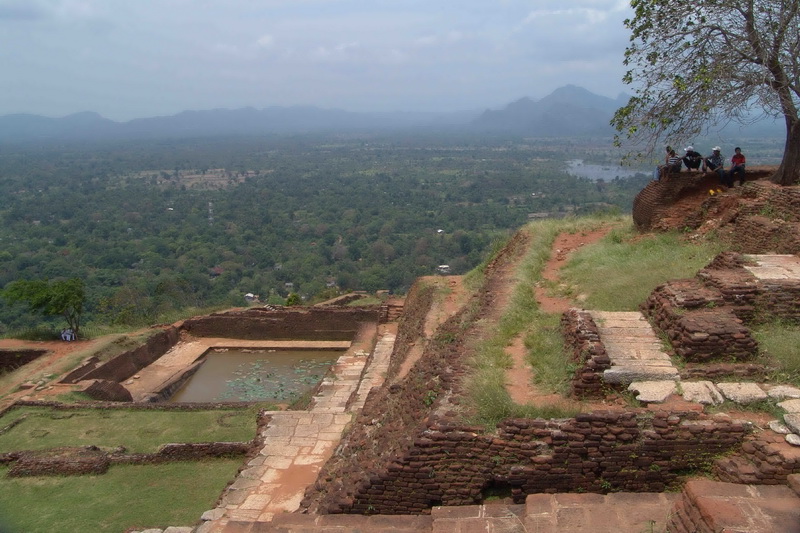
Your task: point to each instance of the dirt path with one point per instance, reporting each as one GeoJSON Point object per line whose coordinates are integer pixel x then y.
{"type": "Point", "coordinates": [519, 378]}
{"type": "Point", "coordinates": [441, 310]}
{"type": "Point", "coordinates": [53, 363]}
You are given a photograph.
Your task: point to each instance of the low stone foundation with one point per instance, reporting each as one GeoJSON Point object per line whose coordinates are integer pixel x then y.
{"type": "Point", "coordinates": [763, 460]}
{"type": "Point", "coordinates": [697, 323]}
{"type": "Point", "coordinates": [88, 460]}
{"type": "Point", "coordinates": [582, 340]}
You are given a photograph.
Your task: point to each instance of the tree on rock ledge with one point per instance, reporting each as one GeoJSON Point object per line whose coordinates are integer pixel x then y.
{"type": "Point", "coordinates": [694, 64]}
{"type": "Point", "coordinates": [63, 297]}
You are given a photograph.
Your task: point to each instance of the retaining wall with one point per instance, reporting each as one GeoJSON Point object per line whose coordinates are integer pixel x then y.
{"type": "Point", "coordinates": [129, 363]}
{"type": "Point", "coordinates": [12, 359]}
{"type": "Point", "coordinates": [307, 323]}
{"type": "Point", "coordinates": [594, 452]}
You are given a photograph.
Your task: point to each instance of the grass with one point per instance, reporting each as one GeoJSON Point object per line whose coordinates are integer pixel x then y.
{"type": "Point", "coordinates": [619, 272]}
{"type": "Point", "coordinates": [487, 390]}
{"type": "Point", "coordinates": [153, 496]}
{"type": "Point", "coordinates": [779, 344]}
{"type": "Point", "coordinates": [139, 431]}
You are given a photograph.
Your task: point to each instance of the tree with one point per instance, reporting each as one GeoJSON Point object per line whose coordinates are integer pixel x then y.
{"type": "Point", "coordinates": [700, 63]}
{"type": "Point", "coordinates": [64, 298]}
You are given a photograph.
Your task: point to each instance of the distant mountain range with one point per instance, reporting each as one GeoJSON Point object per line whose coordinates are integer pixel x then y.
{"type": "Point", "coordinates": [569, 111]}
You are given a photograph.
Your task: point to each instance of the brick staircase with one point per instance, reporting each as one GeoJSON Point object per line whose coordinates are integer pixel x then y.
{"type": "Point", "coordinates": [709, 507]}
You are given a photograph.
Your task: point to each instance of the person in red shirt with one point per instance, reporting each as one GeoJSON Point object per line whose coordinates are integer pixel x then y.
{"type": "Point", "coordinates": [737, 167]}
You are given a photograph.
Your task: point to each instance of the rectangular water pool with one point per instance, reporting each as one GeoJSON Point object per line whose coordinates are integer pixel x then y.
{"type": "Point", "coordinates": [245, 375]}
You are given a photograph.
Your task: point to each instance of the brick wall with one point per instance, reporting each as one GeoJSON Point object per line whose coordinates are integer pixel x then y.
{"type": "Point", "coordinates": [13, 359]}
{"type": "Point", "coordinates": [129, 363]}
{"type": "Point", "coordinates": [308, 323]}
{"type": "Point", "coordinates": [765, 460]}
{"type": "Point", "coordinates": [582, 340]}
{"type": "Point", "coordinates": [594, 452]}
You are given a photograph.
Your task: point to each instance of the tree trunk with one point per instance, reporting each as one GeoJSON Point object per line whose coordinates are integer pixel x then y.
{"type": "Point", "coordinates": [789, 171]}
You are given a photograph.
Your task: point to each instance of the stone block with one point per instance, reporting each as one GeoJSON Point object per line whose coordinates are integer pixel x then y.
{"type": "Point", "coordinates": [653, 391]}
{"type": "Point", "coordinates": [790, 406]}
{"type": "Point", "coordinates": [783, 391]}
{"type": "Point", "coordinates": [625, 375]}
{"type": "Point", "coordinates": [742, 393]}
{"type": "Point", "coordinates": [792, 421]}
{"type": "Point", "coordinates": [703, 392]}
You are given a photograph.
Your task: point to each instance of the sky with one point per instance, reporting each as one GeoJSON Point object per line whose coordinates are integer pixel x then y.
{"type": "Point", "coordinates": [129, 59]}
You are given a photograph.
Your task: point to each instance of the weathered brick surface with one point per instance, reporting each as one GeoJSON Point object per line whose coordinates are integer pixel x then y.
{"type": "Point", "coordinates": [129, 363]}
{"type": "Point", "coordinates": [307, 323]}
{"type": "Point", "coordinates": [595, 452]}
{"type": "Point", "coordinates": [697, 323]}
{"type": "Point", "coordinates": [764, 459]}
{"type": "Point", "coordinates": [13, 359]}
{"type": "Point", "coordinates": [109, 391]}
{"type": "Point", "coordinates": [60, 462]}
{"type": "Point", "coordinates": [654, 200]}
{"type": "Point", "coordinates": [582, 339]}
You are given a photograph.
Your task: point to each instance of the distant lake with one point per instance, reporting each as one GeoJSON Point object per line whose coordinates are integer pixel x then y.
{"type": "Point", "coordinates": [577, 167]}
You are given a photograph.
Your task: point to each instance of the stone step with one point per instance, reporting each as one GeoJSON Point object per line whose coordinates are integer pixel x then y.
{"type": "Point", "coordinates": [304, 523]}
{"type": "Point", "coordinates": [598, 513]}
{"type": "Point", "coordinates": [505, 518]}
{"type": "Point", "coordinates": [635, 351]}
{"type": "Point", "coordinates": [625, 375]}
{"type": "Point", "coordinates": [711, 506]}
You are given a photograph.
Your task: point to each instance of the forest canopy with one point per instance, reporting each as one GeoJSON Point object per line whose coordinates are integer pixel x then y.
{"type": "Point", "coordinates": [153, 227]}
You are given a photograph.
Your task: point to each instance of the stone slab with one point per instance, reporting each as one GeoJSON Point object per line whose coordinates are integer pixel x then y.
{"type": "Point", "coordinates": [625, 375]}
{"type": "Point", "coordinates": [653, 391]}
{"type": "Point", "coordinates": [778, 427]}
{"type": "Point", "coordinates": [742, 393]}
{"type": "Point", "coordinates": [781, 392]}
{"type": "Point", "coordinates": [792, 421]}
{"type": "Point", "coordinates": [790, 406]}
{"type": "Point", "coordinates": [702, 392]}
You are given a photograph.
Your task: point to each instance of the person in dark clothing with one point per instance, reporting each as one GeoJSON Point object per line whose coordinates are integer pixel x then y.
{"type": "Point", "coordinates": [692, 159]}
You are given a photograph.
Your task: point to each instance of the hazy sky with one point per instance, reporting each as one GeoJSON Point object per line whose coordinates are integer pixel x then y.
{"type": "Point", "coordinates": [138, 58]}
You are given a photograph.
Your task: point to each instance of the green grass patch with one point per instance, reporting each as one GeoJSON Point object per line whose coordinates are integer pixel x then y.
{"type": "Point", "coordinates": [153, 496]}
{"type": "Point", "coordinates": [779, 344]}
{"type": "Point", "coordinates": [619, 272]}
{"type": "Point", "coordinates": [489, 398]}
{"type": "Point", "coordinates": [141, 431]}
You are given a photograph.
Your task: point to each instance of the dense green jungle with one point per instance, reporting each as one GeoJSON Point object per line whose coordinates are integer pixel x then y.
{"type": "Point", "coordinates": [158, 227]}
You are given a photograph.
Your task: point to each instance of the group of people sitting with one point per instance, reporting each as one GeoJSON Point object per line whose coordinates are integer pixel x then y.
{"type": "Point", "coordinates": [713, 163]}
